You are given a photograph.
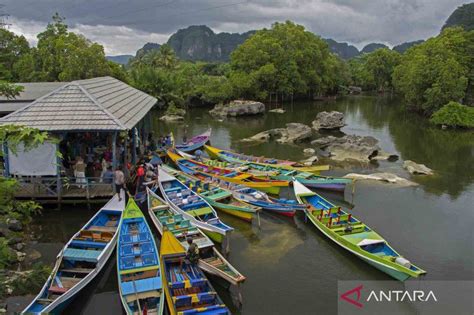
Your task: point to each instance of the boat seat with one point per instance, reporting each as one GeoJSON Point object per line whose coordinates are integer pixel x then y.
{"type": "Point", "coordinates": [356, 228]}
{"type": "Point", "coordinates": [142, 285]}
{"type": "Point", "coordinates": [81, 254]}
{"type": "Point", "coordinates": [78, 270]}
{"type": "Point", "coordinates": [103, 228]}
{"type": "Point", "coordinates": [167, 190]}
{"type": "Point", "coordinates": [87, 244]}
{"type": "Point", "coordinates": [231, 174]}
{"type": "Point", "coordinates": [200, 211]}
{"type": "Point", "coordinates": [57, 290]}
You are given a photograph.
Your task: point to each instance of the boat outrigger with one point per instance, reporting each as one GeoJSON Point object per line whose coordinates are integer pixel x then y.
{"type": "Point", "coordinates": [211, 261]}
{"type": "Point", "coordinates": [81, 260]}
{"type": "Point", "coordinates": [138, 265]}
{"type": "Point", "coordinates": [354, 236]}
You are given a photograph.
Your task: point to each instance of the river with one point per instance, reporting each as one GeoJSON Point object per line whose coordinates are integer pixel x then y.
{"type": "Point", "coordinates": [292, 268]}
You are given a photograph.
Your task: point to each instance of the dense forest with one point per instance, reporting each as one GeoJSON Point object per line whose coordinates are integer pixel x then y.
{"type": "Point", "coordinates": [285, 61]}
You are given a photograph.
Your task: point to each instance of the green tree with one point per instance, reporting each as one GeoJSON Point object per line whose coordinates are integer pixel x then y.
{"type": "Point", "coordinates": [437, 71]}
{"type": "Point", "coordinates": [380, 64]}
{"type": "Point", "coordinates": [285, 59]}
{"type": "Point", "coordinates": [454, 114]}
{"type": "Point", "coordinates": [10, 90]}
{"type": "Point", "coordinates": [12, 48]}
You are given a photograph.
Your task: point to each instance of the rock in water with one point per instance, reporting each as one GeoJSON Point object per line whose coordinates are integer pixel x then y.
{"type": "Point", "coordinates": [384, 177]}
{"type": "Point", "coordinates": [309, 151]}
{"type": "Point", "coordinates": [310, 161]}
{"type": "Point", "coordinates": [417, 169]}
{"type": "Point", "coordinates": [172, 118]}
{"type": "Point", "coordinates": [349, 147]}
{"type": "Point", "coordinates": [329, 120]}
{"type": "Point", "coordinates": [277, 110]}
{"type": "Point", "coordinates": [293, 133]}
{"type": "Point", "coordinates": [238, 108]}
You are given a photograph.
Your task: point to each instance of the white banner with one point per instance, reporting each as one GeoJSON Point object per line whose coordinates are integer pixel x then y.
{"type": "Point", "coordinates": [38, 161]}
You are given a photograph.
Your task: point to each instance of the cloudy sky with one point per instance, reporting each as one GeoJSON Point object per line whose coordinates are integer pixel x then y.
{"type": "Point", "coordinates": [123, 26]}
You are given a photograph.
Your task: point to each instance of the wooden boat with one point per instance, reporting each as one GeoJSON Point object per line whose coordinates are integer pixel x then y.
{"type": "Point", "coordinates": [211, 261]}
{"type": "Point", "coordinates": [138, 265]}
{"type": "Point", "coordinates": [81, 260]}
{"type": "Point", "coordinates": [276, 172]}
{"type": "Point", "coordinates": [249, 180]}
{"type": "Point", "coordinates": [234, 157]}
{"type": "Point", "coordinates": [192, 206]}
{"type": "Point", "coordinates": [220, 198]}
{"type": "Point", "coordinates": [253, 197]}
{"type": "Point", "coordinates": [195, 142]}
{"type": "Point", "coordinates": [354, 236]}
{"type": "Point", "coordinates": [188, 291]}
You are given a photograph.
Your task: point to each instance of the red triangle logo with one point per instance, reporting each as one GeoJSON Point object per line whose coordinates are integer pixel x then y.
{"type": "Point", "coordinates": [348, 296]}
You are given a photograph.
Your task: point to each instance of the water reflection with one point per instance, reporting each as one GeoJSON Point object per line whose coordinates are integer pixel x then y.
{"type": "Point", "coordinates": [450, 153]}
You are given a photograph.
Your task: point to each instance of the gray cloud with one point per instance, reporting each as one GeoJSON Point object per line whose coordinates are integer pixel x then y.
{"type": "Point", "coordinates": [123, 26]}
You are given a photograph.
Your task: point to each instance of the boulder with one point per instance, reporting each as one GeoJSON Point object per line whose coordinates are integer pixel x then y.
{"type": "Point", "coordinates": [309, 151]}
{"type": "Point", "coordinates": [417, 169]}
{"type": "Point", "coordinates": [14, 240]}
{"type": "Point", "coordinates": [238, 108]}
{"type": "Point", "coordinates": [293, 133]}
{"type": "Point", "coordinates": [171, 118]}
{"type": "Point", "coordinates": [20, 256]}
{"type": "Point", "coordinates": [310, 161]}
{"type": "Point", "coordinates": [329, 120]}
{"type": "Point", "coordinates": [15, 225]}
{"type": "Point", "coordinates": [385, 156]}
{"type": "Point", "coordinates": [350, 147]}
{"type": "Point", "coordinates": [277, 110]}
{"type": "Point", "coordinates": [19, 246]}
{"type": "Point", "coordinates": [384, 177]}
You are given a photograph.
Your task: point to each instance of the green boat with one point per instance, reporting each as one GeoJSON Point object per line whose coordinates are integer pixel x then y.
{"type": "Point", "coordinates": [216, 196]}
{"type": "Point", "coordinates": [354, 236]}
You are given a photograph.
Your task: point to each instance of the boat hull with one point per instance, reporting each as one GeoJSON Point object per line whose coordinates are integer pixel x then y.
{"type": "Point", "coordinates": [215, 236]}
{"type": "Point", "coordinates": [233, 211]}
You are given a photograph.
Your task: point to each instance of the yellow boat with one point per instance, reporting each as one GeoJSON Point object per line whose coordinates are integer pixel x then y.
{"type": "Point", "coordinates": [190, 166]}
{"type": "Point", "coordinates": [187, 288]}
{"type": "Point", "coordinates": [233, 157]}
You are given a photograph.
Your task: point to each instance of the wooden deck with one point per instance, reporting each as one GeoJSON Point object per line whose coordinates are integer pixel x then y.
{"type": "Point", "coordinates": [47, 190]}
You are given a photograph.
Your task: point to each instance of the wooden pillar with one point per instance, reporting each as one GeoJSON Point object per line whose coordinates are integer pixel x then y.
{"type": "Point", "coordinates": [59, 184]}
{"type": "Point", "coordinates": [134, 146]}
{"type": "Point", "coordinates": [5, 159]}
{"type": "Point", "coordinates": [114, 153]}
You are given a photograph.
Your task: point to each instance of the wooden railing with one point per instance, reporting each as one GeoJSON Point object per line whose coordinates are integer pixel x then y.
{"type": "Point", "coordinates": [59, 188]}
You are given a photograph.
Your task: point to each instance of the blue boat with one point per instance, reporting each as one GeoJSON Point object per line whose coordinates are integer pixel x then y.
{"type": "Point", "coordinates": [81, 260]}
{"type": "Point", "coordinates": [138, 265]}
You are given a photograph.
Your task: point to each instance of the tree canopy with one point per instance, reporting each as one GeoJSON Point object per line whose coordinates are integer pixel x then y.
{"type": "Point", "coordinates": [60, 55]}
{"type": "Point", "coordinates": [437, 71]}
{"type": "Point", "coordinates": [285, 59]}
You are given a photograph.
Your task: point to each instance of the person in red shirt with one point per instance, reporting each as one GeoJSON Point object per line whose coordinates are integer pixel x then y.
{"type": "Point", "coordinates": [140, 177]}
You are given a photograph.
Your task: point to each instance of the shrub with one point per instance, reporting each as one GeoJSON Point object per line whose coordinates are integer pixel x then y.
{"type": "Point", "coordinates": [454, 114]}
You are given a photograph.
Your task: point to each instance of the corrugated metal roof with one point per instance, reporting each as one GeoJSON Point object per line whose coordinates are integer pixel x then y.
{"type": "Point", "coordinates": [101, 103]}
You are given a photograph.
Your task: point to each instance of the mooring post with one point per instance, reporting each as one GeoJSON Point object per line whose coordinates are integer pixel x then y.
{"type": "Point", "coordinates": [59, 184]}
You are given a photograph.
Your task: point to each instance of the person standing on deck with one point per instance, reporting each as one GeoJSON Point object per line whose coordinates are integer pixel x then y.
{"type": "Point", "coordinates": [140, 177]}
{"type": "Point", "coordinates": [120, 183]}
{"type": "Point", "coordinates": [80, 172]}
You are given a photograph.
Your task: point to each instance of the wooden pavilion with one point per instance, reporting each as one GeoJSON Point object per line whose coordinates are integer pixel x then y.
{"type": "Point", "coordinates": [102, 107]}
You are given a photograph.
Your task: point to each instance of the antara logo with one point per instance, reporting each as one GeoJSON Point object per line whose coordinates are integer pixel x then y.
{"type": "Point", "coordinates": [346, 296]}
{"type": "Point", "coordinates": [354, 296]}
